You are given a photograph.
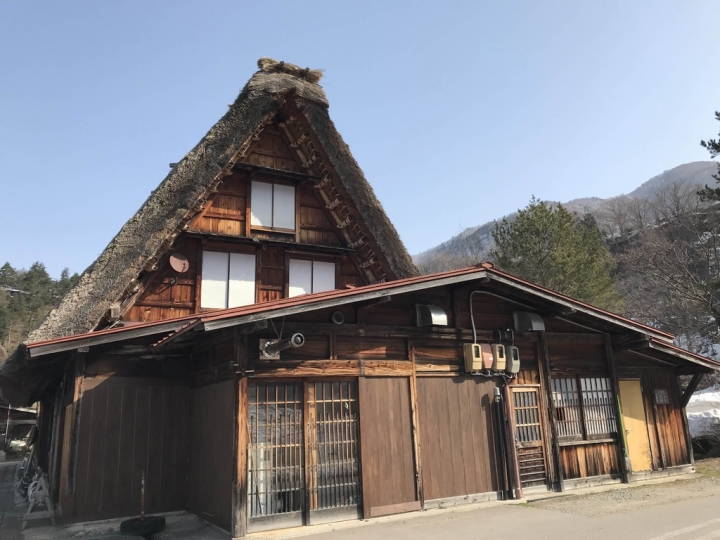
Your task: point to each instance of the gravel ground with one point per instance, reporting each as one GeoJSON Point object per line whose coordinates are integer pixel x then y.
{"type": "Point", "coordinates": [618, 501]}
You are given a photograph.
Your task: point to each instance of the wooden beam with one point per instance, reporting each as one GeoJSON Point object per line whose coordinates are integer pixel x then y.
{"type": "Point", "coordinates": [75, 429]}
{"type": "Point", "coordinates": [691, 387]}
{"type": "Point", "coordinates": [275, 172]}
{"type": "Point", "coordinates": [419, 492]}
{"type": "Point", "coordinates": [623, 455]}
{"type": "Point", "coordinates": [240, 486]}
{"type": "Point", "coordinates": [338, 368]}
{"type": "Point", "coordinates": [544, 366]}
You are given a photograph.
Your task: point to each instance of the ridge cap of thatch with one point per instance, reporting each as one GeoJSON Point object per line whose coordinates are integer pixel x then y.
{"type": "Point", "coordinates": [269, 65]}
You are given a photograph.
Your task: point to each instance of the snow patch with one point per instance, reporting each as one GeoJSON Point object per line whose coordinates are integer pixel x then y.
{"type": "Point", "coordinates": [703, 412]}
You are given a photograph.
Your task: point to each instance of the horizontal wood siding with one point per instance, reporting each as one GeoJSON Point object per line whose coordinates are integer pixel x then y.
{"type": "Point", "coordinates": [164, 298]}
{"type": "Point", "coordinates": [210, 473]}
{"type": "Point", "coordinates": [225, 212]}
{"type": "Point", "coordinates": [371, 348]}
{"type": "Point", "coordinates": [457, 438]}
{"type": "Point", "coordinates": [128, 425]}
{"type": "Point", "coordinates": [582, 461]}
{"type": "Point", "coordinates": [271, 150]}
{"type": "Point", "coordinates": [583, 356]}
{"type": "Point", "coordinates": [387, 468]}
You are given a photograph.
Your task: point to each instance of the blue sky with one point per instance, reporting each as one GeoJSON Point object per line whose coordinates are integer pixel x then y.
{"type": "Point", "coordinates": [457, 112]}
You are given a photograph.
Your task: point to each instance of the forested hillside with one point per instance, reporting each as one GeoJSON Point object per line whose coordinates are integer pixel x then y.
{"type": "Point", "coordinates": [663, 238]}
{"type": "Point", "coordinates": [26, 297]}
{"type": "Point", "coordinates": [475, 244]}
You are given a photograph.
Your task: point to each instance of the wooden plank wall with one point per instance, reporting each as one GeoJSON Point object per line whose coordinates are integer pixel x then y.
{"type": "Point", "coordinates": [164, 300]}
{"type": "Point", "coordinates": [668, 439]}
{"type": "Point", "coordinates": [387, 467]}
{"type": "Point", "coordinates": [225, 213]}
{"type": "Point", "coordinates": [210, 473]}
{"type": "Point", "coordinates": [457, 437]}
{"type": "Point", "coordinates": [584, 460]}
{"type": "Point", "coordinates": [127, 425]}
{"type": "Point", "coordinates": [668, 442]}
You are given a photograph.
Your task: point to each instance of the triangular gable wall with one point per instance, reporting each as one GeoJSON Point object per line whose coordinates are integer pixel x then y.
{"type": "Point", "coordinates": [124, 269]}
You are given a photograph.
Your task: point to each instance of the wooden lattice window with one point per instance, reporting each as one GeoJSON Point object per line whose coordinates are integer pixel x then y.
{"type": "Point", "coordinates": [584, 408]}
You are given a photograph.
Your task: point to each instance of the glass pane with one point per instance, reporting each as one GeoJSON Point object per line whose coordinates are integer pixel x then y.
{"type": "Point", "coordinates": [323, 277]}
{"type": "Point", "coordinates": [261, 205]}
{"type": "Point", "coordinates": [242, 280]}
{"type": "Point", "coordinates": [300, 277]}
{"type": "Point", "coordinates": [284, 207]}
{"type": "Point", "coordinates": [213, 291]}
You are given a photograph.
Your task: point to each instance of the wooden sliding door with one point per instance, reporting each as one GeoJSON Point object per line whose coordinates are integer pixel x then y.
{"type": "Point", "coordinates": [275, 456]}
{"type": "Point", "coordinates": [303, 464]}
{"type": "Point", "coordinates": [387, 446]}
{"type": "Point", "coordinates": [333, 468]}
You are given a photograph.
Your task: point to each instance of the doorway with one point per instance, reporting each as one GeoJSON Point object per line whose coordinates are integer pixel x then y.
{"type": "Point", "coordinates": [303, 464]}
{"type": "Point", "coordinates": [636, 434]}
{"type": "Point", "coordinates": [529, 436]}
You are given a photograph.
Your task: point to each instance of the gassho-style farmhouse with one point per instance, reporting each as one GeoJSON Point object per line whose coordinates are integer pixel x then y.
{"type": "Point", "coordinates": [257, 341]}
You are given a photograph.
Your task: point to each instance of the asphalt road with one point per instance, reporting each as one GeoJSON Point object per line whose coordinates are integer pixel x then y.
{"type": "Point", "coordinates": [697, 519]}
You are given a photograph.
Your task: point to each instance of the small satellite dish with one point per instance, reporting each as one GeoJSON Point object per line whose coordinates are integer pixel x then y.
{"type": "Point", "coordinates": [179, 263]}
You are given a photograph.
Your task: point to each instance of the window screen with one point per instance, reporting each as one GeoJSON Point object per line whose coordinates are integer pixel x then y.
{"type": "Point", "coordinates": [228, 280]}
{"type": "Point", "coordinates": [272, 205]}
{"type": "Point", "coordinates": [584, 407]}
{"type": "Point", "coordinates": [567, 408]}
{"type": "Point", "coordinates": [307, 277]}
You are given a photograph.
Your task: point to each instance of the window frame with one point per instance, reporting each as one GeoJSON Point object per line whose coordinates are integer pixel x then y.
{"type": "Point", "coordinates": [584, 408]}
{"type": "Point", "coordinates": [272, 182]}
{"type": "Point", "coordinates": [307, 257]}
{"type": "Point", "coordinates": [229, 250]}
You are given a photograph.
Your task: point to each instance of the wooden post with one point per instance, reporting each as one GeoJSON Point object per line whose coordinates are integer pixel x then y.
{"type": "Point", "coordinates": [54, 464]}
{"type": "Point", "coordinates": [544, 366]}
{"type": "Point", "coordinates": [416, 429]}
{"type": "Point", "coordinates": [623, 456]}
{"type": "Point", "coordinates": [240, 487]}
{"type": "Point", "coordinates": [684, 398]}
{"type": "Point", "coordinates": [240, 440]}
{"type": "Point", "coordinates": [77, 410]}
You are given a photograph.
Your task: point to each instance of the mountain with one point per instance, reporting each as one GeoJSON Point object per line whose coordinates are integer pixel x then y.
{"type": "Point", "coordinates": [475, 244]}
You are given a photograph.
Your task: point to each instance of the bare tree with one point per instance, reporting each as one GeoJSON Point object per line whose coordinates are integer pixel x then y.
{"type": "Point", "coordinates": [671, 271]}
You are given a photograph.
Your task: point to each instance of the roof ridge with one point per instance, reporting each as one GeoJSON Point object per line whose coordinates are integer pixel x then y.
{"type": "Point", "coordinates": [269, 65]}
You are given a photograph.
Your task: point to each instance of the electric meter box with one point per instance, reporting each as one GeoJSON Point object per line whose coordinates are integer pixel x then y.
{"type": "Point", "coordinates": [498, 353]}
{"type": "Point", "coordinates": [512, 365]}
{"type": "Point", "coordinates": [477, 356]}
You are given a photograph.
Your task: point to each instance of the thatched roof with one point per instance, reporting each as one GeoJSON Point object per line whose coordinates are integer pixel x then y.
{"type": "Point", "coordinates": [152, 230]}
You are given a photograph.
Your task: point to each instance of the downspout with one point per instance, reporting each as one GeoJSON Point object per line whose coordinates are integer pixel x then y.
{"type": "Point", "coordinates": [500, 422]}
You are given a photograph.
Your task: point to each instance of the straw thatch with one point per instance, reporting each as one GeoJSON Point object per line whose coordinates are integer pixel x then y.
{"type": "Point", "coordinates": [146, 235]}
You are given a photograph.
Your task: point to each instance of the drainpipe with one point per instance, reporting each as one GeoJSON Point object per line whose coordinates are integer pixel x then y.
{"type": "Point", "coordinates": [502, 441]}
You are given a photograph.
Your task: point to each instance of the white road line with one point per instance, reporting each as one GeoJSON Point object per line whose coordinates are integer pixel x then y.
{"type": "Point", "coordinates": [685, 530]}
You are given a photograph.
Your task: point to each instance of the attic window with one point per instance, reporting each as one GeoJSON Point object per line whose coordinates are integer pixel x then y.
{"type": "Point", "coordinates": [307, 277]}
{"type": "Point", "coordinates": [228, 280]}
{"type": "Point", "coordinates": [272, 205]}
